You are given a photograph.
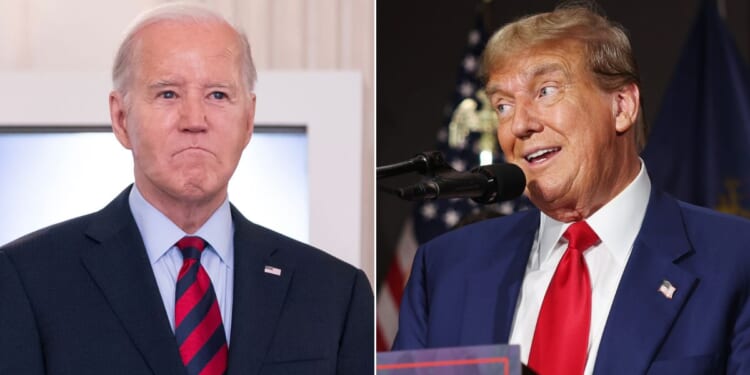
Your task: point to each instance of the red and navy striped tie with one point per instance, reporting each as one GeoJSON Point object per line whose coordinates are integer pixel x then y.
{"type": "Point", "coordinates": [198, 327]}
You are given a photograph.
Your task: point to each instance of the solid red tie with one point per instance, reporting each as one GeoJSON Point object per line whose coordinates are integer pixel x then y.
{"type": "Point", "coordinates": [561, 337]}
{"type": "Point", "coordinates": [198, 326]}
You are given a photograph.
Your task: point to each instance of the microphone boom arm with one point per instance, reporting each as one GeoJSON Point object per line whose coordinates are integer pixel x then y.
{"type": "Point", "coordinates": [427, 163]}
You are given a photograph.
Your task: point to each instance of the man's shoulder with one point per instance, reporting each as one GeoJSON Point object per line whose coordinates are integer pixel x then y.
{"type": "Point", "coordinates": [70, 234]}
{"type": "Point", "coordinates": [50, 250]}
{"type": "Point", "coordinates": [489, 230]}
{"type": "Point", "coordinates": [712, 217]}
{"type": "Point", "coordinates": [702, 222]}
{"type": "Point", "coordinates": [483, 241]}
{"type": "Point", "coordinates": [51, 236]}
{"type": "Point", "coordinates": [304, 257]}
{"type": "Point", "coordinates": [715, 240]}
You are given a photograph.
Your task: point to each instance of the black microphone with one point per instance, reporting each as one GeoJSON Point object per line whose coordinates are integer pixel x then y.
{"type": "Point", "coordinates": [425, 163]}
{"type": "Point", "coordinates": [485, 184]}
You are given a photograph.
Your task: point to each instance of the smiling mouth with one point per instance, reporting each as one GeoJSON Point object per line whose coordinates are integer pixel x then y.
{"type": "Point", "coordinates": [542, 155]}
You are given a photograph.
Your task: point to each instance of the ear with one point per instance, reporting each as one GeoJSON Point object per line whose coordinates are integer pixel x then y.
{"type": "Point", "coordinates": [250, 119]}
{"type": "Point", "coordinates": [627, 103]}
{"type": "Point", "coordinates": [118, 115]}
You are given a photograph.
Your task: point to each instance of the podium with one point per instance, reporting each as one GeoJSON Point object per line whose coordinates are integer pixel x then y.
{"type": "Point", "coordinates": [464, 360]}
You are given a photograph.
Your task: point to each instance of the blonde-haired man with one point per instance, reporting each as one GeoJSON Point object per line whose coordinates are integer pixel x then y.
{"type": "Point", "coordinates": [608, 276]}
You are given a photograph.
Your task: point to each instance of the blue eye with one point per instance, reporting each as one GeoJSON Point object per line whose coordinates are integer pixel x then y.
{"type": "Point", "coordinates": [502, 108]}
{"type": "Point", "coordinates": [547, 90]}
{"type": "Point", "coordinates": [168, 94]}
{"type": "Point", "coordinates": [218, 95]}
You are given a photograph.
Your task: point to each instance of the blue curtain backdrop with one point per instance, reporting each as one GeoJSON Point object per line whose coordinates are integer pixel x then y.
{"type": "Point", "coordinates": [698, 148]}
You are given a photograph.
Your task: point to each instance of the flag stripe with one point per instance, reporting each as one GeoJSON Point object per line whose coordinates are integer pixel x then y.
{"type": "Point", "coordinates": [396, 281]}
{"type": "Point", "coordinates": [387, 319]}
{"type": "Point", "coordinates": [387, 309]}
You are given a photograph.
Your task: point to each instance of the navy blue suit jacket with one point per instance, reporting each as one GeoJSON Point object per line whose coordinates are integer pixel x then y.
{"type": "Point", "coordinates": [80, 298]}
{"type": "Point", "coordinates": [464, 287]}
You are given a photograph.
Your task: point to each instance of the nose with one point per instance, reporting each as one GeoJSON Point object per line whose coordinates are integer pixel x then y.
{"type": "Point", "coordinates": [525, 122]}
{"type": "Point", "coordinates": [194, 118]}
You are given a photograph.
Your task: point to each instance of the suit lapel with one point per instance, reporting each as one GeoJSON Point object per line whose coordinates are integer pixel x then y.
{"type": "Point", "coordinates": [484, 288]}
{"type": "Point", "coordinates": [641, 316]}
{"type": "Point", "coordinates": [118, 263]}
{"type": "Point", "coordinates": [258, 295]}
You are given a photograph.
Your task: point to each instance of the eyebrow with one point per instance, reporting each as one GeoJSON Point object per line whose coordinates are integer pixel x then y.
{"type": "Point", "coordinates": [170, 83]}
{"type": "Point", "coordinates": [546, 69]}
{"type": "Point", "coordinates": [534, 73]}
{"type": "Point", "coordinates": [161, 84]}
{"type": "Point", "coordinates": [220, 85]}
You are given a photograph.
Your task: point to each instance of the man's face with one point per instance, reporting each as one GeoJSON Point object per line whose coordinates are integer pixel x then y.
{"type": "Point", "coordinates": [188, 114]}
{"type": "Point", "coordinates": [562, 130]}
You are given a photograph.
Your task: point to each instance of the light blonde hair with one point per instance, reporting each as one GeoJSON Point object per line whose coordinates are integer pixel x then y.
{"type": "Point", "coordinates": [122, 69]}
{"type": "Point", "coordinates": [606, 47]}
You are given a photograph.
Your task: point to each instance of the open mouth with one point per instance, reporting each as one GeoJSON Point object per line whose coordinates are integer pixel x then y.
{"type": "Point", "coordinates": [541, 155]}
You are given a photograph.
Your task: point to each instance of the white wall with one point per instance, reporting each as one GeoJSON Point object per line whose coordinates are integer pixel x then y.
{"type": "Point", "coordinates": [81, 36]}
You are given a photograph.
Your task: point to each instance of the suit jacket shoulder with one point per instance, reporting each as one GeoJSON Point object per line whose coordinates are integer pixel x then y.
{"type": "Point", "coordinates": [55, 251]}
{"type": "Point", "coordinates": [464, 284]}
{"type": "Point", "coordinates": [682, 302]}
{"type": "Point", "coordinates": [706, 228]}
{"type": "Point", "coordinates": [297, 308]}
{"type": "Point", "coordinates": [477, 243]}
{"type": "Point", "coordinates": [86, 297]}
{"type": "Point", "coordinates": [303, 256]}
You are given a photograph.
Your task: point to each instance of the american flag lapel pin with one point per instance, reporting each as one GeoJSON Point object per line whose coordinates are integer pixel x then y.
{"type": "Point", "coordinates": [667, 289]}
{"type": "Point", "coordinates": [272, 270]}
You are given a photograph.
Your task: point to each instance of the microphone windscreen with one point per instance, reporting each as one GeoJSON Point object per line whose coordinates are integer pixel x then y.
{"type": "Point", "coordinates": [510, 182]}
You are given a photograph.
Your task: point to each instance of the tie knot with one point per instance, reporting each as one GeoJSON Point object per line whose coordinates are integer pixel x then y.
{"type": "Point", "coordinates": [580, 236]}
{"type": "Point", "coordinates": [191, 247]}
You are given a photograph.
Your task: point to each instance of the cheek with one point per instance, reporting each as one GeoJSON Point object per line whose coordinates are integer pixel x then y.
{"type": "Point", "coordinates": [506, 141]}
{"type": "Point", "coordinates": [234, 128]}
{"type": "Point", "coordinates": [148, 138]}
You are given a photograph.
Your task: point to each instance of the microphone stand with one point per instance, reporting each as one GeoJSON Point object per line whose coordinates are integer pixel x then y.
{"type": "Point", "coordinates": [428, 163]}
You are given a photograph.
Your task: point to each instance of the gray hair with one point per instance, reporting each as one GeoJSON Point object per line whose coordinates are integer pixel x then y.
{"type": "Point", "coordinates": [124, 60]}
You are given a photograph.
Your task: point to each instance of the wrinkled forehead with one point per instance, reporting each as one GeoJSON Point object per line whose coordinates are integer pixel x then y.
{"type": "Point", "coordinates": [524, 63]}
{"type": "Point", "coordinates": [211, 40]}
{"type": "Point", "coordinates": [508, 53]}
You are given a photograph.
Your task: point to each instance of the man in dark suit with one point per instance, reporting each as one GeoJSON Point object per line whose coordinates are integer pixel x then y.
{"type": "Point", "coordinates": [609, 276]}
{"type": "Point", "coordinates": [169, 278]}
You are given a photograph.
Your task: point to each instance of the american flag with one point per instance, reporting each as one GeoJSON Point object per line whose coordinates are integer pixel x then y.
{"type": "Point", "coordinates": [667, 289]}
{"type": "Point", "coordinates": [433, 218]}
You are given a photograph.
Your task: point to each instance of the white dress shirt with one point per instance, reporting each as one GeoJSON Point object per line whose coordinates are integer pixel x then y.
{"type": "Point", "coordinates": [160, 236]}
{"type": "Point", "coordinates": [617, 224]}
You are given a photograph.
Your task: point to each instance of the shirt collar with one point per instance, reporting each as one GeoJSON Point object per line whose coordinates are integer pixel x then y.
{"type": "Point", "coordinates": [617, 223]}
{"type": "Point", "coordinates": [160, 234]}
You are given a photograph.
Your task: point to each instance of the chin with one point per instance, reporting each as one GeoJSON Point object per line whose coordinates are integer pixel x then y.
{"type": "Point", "coordinates": [544, 196]}
{"type": "Point", "coordinates": [195, 190]}
{"type": "Point", "coordinates": [542, 191]}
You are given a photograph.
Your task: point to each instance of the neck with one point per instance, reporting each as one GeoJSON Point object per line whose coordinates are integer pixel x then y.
{"type": "Point", "coordinates": [188, 214]}
{"type": "Point", "coordinates": [583, 207]}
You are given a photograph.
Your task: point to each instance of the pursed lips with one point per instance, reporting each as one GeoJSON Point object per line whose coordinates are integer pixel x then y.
{"type": "Point", "coordinates": [192, 148]}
